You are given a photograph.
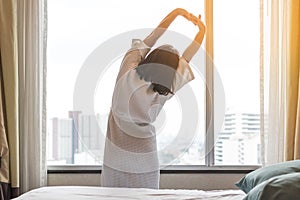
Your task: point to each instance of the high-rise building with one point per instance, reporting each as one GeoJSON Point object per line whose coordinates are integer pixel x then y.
{"type": "Point", "coordinates": [62, 140]}
{"type": "Point", "coordinates": [78, 139]}
{"type": "Point", "coordinates": [91, 138]}
{"type": "Point", "coordinates": [239, 141]}
{"type": "Point", "coordinates": [89, 133]}
{"type": "Point", "coordinates": [74, 115]}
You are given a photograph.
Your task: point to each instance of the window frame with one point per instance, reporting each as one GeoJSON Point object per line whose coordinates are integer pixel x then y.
{"type": "Point", "coordinates": [175, 169]}
{"type": "Point", "coordinates": [209, 166]}
{"type": "Point", "coordinates": [209, 67]}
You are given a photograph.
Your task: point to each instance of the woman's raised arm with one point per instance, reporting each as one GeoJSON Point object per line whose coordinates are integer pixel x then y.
{"type": "Point", "coordinates": [195, 45]}
{"type": "Point", "coordinates": [151, 39]}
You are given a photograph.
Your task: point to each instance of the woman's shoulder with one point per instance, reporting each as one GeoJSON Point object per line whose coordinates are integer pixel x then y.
{"type": "Point", "coordinates": [138, 44]}
{"type": "Point", "coordinates": [184, 74]}
{"type": "Point", "coordinates": [134, 56]}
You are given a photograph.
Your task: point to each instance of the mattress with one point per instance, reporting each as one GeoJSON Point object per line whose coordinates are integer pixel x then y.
{"type": "Point", "coordinates": [93, 193]}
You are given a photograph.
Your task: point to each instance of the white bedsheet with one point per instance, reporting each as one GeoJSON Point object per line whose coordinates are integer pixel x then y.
{"type": "Point", "coordinates": [93, 193]}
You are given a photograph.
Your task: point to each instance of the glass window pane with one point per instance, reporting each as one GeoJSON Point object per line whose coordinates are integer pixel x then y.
{"type": "Point", "coordinates": [236, 57]}
{"type": "Point", "coordinates": [75, 29]}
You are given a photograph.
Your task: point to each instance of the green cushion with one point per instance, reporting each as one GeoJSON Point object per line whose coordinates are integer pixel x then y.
{"type": "Point", "coordinates": [260, 175]}
{"type": "Point", "coordinates": [282, 187]}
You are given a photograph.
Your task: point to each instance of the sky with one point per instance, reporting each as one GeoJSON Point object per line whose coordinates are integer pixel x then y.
{"type": "Point", "coordinates": [77, 27]}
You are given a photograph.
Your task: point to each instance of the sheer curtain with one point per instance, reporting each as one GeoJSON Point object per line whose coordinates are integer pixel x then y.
{"type": "Point", "coordinates": [31, 25]}
{"type": "Point", "coordinates": [278, 115]}
{"type": "Point", "coordinates": [272, 81]}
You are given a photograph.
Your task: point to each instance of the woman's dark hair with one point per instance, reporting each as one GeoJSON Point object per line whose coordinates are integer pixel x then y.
{"type": "Point", "coordinates": [159, 68]}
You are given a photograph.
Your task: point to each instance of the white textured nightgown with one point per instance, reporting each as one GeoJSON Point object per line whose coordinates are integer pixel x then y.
{"type": "Point", "coordinates": [130, 155]}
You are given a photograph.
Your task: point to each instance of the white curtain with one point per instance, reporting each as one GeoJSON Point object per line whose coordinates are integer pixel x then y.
{"type": "Point", "coordinates": [31, 25]}
{"type": "Point", "coordinates": [274, 51]}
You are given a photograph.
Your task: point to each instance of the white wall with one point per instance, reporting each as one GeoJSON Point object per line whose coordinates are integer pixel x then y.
{"type": "Point", "coordinates": [202, 181]}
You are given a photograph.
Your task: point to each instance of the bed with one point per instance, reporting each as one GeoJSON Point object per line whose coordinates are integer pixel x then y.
{"type": "Point", "coordinates": [93, 193]}
{"type": "Point", "coordinates": [280, 181]}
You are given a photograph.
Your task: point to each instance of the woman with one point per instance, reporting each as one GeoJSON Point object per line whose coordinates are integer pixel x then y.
{"type": "Point", "coordinates": [143, 85]}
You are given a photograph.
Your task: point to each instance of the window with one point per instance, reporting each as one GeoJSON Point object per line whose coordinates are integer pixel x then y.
{"type": "Point", "coordinates": [77, 28]}
{"type": "Point", "coordinates": [236, 57]}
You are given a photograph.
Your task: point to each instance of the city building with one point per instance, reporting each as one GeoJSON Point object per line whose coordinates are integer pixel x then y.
{"type": "Point", "coordinates": [78, 139]}
{"type": "Point", "coordinates": [240, 133]}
